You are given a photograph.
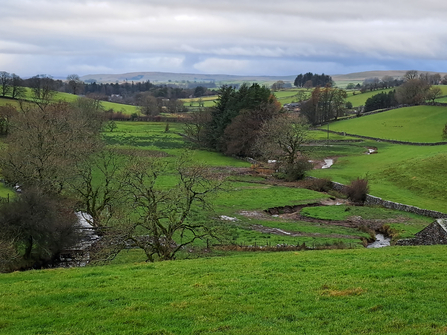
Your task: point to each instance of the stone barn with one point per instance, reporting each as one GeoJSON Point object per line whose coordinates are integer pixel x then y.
{"type": "Point", "coordinates": [434, 233]}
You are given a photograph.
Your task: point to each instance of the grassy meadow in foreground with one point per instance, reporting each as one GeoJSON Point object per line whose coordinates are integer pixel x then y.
{"type": "Point", "coordinates": [397, 290]}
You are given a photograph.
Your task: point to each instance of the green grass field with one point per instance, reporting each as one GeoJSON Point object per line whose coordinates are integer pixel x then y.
{"type": "Point", "coordinates": [412, 124]}
{"type": "Point", "coordinates": [359, 99]}
{"type": "Point", "coordinates": [194, 102]}
{"type": "Point", "coordinates": [397, 290]}
{"type": "Point", "coordinates": [4, 102]}
{"type": "Point", "coordinates": [61, 96]}
{"type": "Point", "coordinates": [243, 193]}
{"type": "Point", "coordinates": [283, 96]}
{"type": "Point", "coordinates": [412, 175]}
{"type": "Point", "coordinates": [152, 136]}
{"type": "Point", "coordinates": [248, 194]}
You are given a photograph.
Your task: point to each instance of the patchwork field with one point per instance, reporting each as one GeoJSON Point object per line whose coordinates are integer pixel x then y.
{"type": "Point", "coordinates": [395, 290]}
{"type": "Point", "coordinates": [246, 196]}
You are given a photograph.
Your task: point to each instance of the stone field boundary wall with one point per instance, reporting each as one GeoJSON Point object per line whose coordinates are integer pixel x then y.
{"type": "Point", "coordinates": [376, 201]}
{"type": "Point", "coordinates": [383, 140]}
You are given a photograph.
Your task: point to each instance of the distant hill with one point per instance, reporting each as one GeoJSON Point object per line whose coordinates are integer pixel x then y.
{"type": "Point", "coordinates": [166, 77]}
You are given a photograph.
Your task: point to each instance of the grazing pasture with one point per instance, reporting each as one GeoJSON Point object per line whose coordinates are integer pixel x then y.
{"type": "Point", "coordinates": [396, 290]}
{"type": "Point", "coordinates": [359, 99]}
{"type": "Point", "coordinates": [411, 124]}
{"type": "Point", "coordinates": [412, 175]}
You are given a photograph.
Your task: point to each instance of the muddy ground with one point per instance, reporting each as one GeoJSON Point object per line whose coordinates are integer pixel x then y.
{"type": "Point", "coordinates": [293, 213]}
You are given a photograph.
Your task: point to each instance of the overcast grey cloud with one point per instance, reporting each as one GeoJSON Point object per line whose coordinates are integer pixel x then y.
{"type": "Point", "coordinates": [244, 37]}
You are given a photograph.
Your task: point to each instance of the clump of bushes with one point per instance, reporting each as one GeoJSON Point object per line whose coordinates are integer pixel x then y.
{"type": "Point", "coordinates": [35, 228]}
{"type": "Point", "coordinates": [295, 171]}
{"type": "Point", "coordinates": [318, 184]}
{"type": "Point", "coordinates": [357, 190]}
{"type": "Point", "coordinates": [444, 132]}
{"type": "Point", "coordinates": [8, 255]}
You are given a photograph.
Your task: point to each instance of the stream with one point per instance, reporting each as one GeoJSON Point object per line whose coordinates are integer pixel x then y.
{"type": "Point", "coordinates": [327, 163]}
{"type": "Point", "coordinates": [380, 242]}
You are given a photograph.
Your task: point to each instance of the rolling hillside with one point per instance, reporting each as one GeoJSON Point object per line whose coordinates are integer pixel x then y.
{"type": "Point", "coordinates": [411, 124]}
{"type": "Point", "coordinates": [413, 175]}
{"type": "Point", "coordinates": [165, 77]}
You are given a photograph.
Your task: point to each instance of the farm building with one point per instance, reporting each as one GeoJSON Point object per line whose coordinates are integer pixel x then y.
{"type": "Point", "coordinates": [434, 233]}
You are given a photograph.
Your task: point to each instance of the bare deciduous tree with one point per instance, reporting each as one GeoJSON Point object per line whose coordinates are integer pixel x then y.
{"type": "Point", "coordinates": [6, 114]}
{"type": "Point", "coordinates": [17, 89]}
{"type": "Point", "coordinates": [412, 91]}
{"type": "Point", "coordinates": [96, 186]}
{"type": "Point", "coordinates": [282, 139]}
{"type": "Point", "coordinates": [409, 75]}
{"type": "Point", "coordinates": [433, 93]}
{"type": "Point", "coordinates": [44, 145]}
{"type": "Point", "coordinates": [5, 83]}
{"type": "Point", "coordinates": [42, 88]}
{"type": "Point", "coordinates": [164, 223]}
{"type": "Point", "coordinates": [148, 104]}
{"type": "Point", "coordinates": [195, 125]}
{"type": "Point", "coordinates": [175, 106]}
{"type": "Point", "coordinates": [75, 83]}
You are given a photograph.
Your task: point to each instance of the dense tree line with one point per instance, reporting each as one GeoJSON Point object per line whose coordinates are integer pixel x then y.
{"type": "Point", "coordinates": [312, 80]}
{"type": "Point", "coordinates": [11, 85]}
{"type": "Point", "coordinates": [414, 89]}
{"type": "Point", "coordinates": [152, 99]}
{"type": "Point", "coordinates": [380, 101]}
{"type": "Point", "coordinates": [373, 84]}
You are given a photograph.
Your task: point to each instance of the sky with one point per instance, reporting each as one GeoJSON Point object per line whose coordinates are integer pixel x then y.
{"type": "Point", "coordinates": [240, 37]}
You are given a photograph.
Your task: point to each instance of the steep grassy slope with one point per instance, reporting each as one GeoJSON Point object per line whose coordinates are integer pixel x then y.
{"type": "Point", "coordinates": [413, 124]}
{"type": "Point", "coordinates": [411, 175]}
{"type": "Point", "coordinates": [398, 290]}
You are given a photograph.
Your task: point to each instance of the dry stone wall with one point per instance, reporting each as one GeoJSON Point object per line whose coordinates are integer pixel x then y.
{"type": "Point", "coordinates": [383, 140]}
{"type": "Point", "coordinates": [376, 201]}
{"type": "Point", "coordinates": [434, 233]}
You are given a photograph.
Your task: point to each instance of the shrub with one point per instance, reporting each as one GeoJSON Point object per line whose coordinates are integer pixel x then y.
{"type": "Point", "coordinates": [297, 171]}
{"type": "Point", "coordinates": [8, 256]}
{"type": "Point", "coordinates": [318, 184]}
{"type": "Point", "coordinates": [444, 132]}
{"type": "Point", "coordinates": [358, 190]}
{"type": "Point", "coordinates": [38, 227]}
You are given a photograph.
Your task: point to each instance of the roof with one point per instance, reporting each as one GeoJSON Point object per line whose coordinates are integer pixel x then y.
{"type": "Point", "coordinates": [442, 223]}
